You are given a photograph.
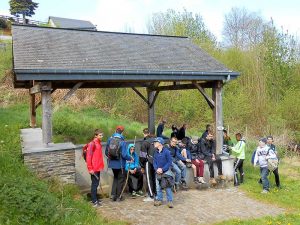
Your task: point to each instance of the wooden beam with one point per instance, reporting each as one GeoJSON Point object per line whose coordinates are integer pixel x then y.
{"type": "Point", "coordinates": [218, 116]}
{"type": "Point", "coordinates": [181, 87]}
{"type": "Point", "coordinates": [72, 91]}
{"type": "Point", "coordinates": [210, 102]}
{"type": "Point", "coordinates": [46, 112]}
{"type": "Point", "coordinates": [32, 110]}
{"type": "Point", "coordinates": [35, 89]}
{"type": "Point", "coordinates": [141, 95]}
{"type": "Point", "coordinates": [151, 112]}
{"type": "Point", "coordinates": [40, 102]}
{"type": "Point", "coordinates": [154, 99]}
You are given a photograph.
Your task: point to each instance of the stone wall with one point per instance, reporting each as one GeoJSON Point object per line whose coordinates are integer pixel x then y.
{"type": "Point", "coordinates": [60, 164]}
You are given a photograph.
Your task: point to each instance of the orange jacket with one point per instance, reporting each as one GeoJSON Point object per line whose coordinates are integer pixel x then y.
{"type": "Point", "coordinates": [94, 156]}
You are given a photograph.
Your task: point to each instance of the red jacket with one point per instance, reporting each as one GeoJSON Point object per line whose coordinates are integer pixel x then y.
{"type": "Point", "coordinates": [94, 156]}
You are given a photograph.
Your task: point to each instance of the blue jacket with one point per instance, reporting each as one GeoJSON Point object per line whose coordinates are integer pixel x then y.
{"type": "Point", "coordinates": [118, 164]}
{"type": "Point", "coordinates": [162, 160]}
{"type": "Point", "coordinates": [160, 130]}
{"type": "Point", "coordinates": [135, 163]}
{"type": "Point", "coordinates": [175, 154]}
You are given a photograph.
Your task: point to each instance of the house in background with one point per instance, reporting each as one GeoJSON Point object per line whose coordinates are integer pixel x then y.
{"type": "Point", "coordinates": [70, 23]}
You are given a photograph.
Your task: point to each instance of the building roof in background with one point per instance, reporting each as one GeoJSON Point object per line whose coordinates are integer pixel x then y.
{"type": "Point", "coordinates": [71, 23]}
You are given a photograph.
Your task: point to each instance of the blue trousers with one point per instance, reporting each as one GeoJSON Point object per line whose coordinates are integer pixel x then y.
{"type": "Point", "coordinates": [169, 192]}
{"type": "Point", "coordinates": [264, 172]}
{"type": "Point", "coordinates": [179, 168]}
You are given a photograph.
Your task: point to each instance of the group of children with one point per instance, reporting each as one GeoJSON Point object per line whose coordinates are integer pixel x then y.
{"type": "Point", "coordinates": [164, 163]}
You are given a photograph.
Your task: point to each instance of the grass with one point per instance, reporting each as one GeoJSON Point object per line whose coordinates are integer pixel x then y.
{"type": "Point", "coordinates": [287, 197]}
{"type": "Point", "coordinates": [5, 57]}
{"type": "Point", "coordinates": [32, 201]}
{"type": "Point", "coordinates": [24, 198]}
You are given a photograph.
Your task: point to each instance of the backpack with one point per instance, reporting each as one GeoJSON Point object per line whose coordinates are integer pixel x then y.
{"type": "Point", "coordinates": [85, 149]}
{"type": "Point", "coordinates": [114, 148]}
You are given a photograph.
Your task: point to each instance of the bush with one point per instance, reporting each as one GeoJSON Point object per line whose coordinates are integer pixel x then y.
{"type": "Point", "coordinates": [3, 23]}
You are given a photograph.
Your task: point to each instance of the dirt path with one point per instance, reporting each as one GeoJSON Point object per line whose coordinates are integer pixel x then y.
{"type": "Point", "coordinates": [190, 207]}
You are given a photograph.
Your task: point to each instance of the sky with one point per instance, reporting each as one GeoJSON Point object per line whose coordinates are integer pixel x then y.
{"type": "Point", "coordinates": [133, 15]}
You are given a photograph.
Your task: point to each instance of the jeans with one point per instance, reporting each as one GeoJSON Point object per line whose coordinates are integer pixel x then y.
{"type": "Point", "coordinates": [94, 186]}
{"type": "Point", "coordinates": [180, 171]}
{"type": "Point", "coordinates": [264, 172]}
{"type": "Point", "coordinates": [169, 192]}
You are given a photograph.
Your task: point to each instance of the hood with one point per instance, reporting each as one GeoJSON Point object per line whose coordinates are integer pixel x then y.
{"type": "Point", "coordinates": [128, 148]}
{"type": "Point", "coordinates": [118, 135]}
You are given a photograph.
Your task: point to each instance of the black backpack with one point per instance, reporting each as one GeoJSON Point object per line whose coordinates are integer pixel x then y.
{"type": "Point", "coordinates": [114, 148]}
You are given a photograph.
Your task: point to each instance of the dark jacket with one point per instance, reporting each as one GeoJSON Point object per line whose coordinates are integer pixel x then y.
{"type": "Point", "coordinates": [147, 151]}
{"type": "Point", "coordinates": [175, 154]}
{"type": "Point", "coordinates": [205, 133]}
{"type": "Point", "coordinates": [162, 160]}
{"type": "Point", "coordinates": [195, 150]}
{"type": "Point", "coordinates": [181, 133]}
{"type": "Point", "coordinates": [120, 163]}
{"type": "Point", "coordinates": [174, 133]}
{"type": "Point", "coordinates": [160, 130]}
{"type": "Point", "coordinates": [207, 147]}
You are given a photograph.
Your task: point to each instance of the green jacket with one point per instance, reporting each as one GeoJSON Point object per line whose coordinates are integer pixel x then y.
{"type": "Point", "coordinates": [239, 150]}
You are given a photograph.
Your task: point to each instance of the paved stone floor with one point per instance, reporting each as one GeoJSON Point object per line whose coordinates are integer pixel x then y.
{"type": "Point", "coordinates": [190, 207]}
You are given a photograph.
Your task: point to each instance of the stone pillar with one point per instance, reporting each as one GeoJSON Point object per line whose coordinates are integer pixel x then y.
{"type": "Point", "coordinates": [46, 112]}
{"type": "Point", "coordinates": [218, 115]}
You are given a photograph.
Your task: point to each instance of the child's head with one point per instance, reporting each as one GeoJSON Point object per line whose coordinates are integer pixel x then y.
{"type": "Point", "coordinates": [262, 142]}
{"type": "Point", "coordinates": [238, 136]}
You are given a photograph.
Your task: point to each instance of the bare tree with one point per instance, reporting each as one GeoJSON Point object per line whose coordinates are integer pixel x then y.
{"type": "Point", "coordinates": [243, 29]}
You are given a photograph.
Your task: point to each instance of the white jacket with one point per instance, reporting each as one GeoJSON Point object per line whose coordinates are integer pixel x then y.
{"type": "Point", "coordinates": [262, 155]}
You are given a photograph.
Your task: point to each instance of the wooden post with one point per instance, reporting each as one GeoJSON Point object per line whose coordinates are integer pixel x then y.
{"type": "Point", "coordinates": [151, 111]}
{"type": "Point", "coordinates": [218, 115]}
{"type": "Point", "coordinates": [32, 110]}
{"type": "Point", "coordinates": [46, 112]}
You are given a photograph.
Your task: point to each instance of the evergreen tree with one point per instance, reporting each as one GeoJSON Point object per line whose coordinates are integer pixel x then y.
{"type": "Point", "coordinates": [22, 7]}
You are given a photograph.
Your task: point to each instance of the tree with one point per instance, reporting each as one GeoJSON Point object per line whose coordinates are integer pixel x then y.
{"type": "Point", "coordinates": [243, 29]}
{"type": "Point", "coordinates": [23, 7]}
{"type": "Point", "coordinates": [182, 24]}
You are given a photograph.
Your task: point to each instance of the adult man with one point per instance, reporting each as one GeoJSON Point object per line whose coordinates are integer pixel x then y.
{"type": "Point", "coordinates": [162, 162]}
{"type": "Point", "coordinates": [117, 156]}
{"type": "Point", "coordinates": [146, 161]}
{"type": "Point", "coordinates": [177, 165]}
{"type": "Point", "coordinates": [208, 150]}
{"type": "Point", "coordinates": [95, 164]}
{"type": "Point", "coordinates": [273, 148]}
{"type": "Point", "coordinates": [160, 129]}
{"type": "Point", "coordinates": [181, 132]}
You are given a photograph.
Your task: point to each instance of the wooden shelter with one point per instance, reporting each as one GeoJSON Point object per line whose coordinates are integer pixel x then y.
{"type": "Point", "coordinates": [46, 59]}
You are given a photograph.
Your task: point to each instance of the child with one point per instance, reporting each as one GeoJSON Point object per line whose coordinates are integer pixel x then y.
{"type": "Point", "coordinates": [162, 163]}
{"type": "Point", "coordinates": [134, 172]}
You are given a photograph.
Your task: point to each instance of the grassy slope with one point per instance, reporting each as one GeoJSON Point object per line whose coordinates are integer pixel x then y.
{"type": "Point", "coordinates": [24, 198]}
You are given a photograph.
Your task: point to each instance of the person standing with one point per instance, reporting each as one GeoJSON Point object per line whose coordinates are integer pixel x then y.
{"type": "Point", "coordinates": [270, 141]}
{"type": "Point", "coordinates": [95, 164]}
{"type": "Point", "coordinates": [208, 150]}
{"type": "Point", "coordinates": [239, 152]}
{"type": "Point", "coordinates": [117, 155]}
{"type": "Point", "coordinates": [174, 131]}
{"type": "Point", "coordinates": [146, 161]}
{"type": "Point", "coordinates": [181, 132]}
{"type": "Point", "coordinates": [160, 129]}
{"type": "Point", "coordinates": [162, 163]}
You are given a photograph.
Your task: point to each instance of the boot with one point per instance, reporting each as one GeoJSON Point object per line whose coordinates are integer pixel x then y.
{"type": "Point", "coordinates": [184, 185]}
{"type": "Point", "coordinates": [221, 177]}
{"type": "Point", "coordinates": [242, 178]}
{"type": "Point", "coordinates": [212, 181]}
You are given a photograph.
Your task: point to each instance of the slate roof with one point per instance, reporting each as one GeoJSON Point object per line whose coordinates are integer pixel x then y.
{"type": "Point", "coordinates": [63, 54]}
{"type": "Point", "coordinates": [72, 23]}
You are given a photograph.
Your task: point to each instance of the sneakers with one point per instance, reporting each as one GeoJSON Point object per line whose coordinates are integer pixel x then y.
{"type": "Point", "coordinates": [139, 193]}
{"type": "Point", "coordinates": [196, 180]}
{"type": "Point", "coordinates": [157, 203]}
{"type": "Point", "coordinates": [148, 199]}
{"type": "Point", "coordinates": [213, 181]}
{"type": "Point", "coordinates": [133, 194]}
{"type": "Point", "coordinates": [120, 199]}
{"type": "Point", "coordinates": [97, 204]}
{"type": "Point", "coordinates": [264, 191]}
{"type": "Point", "coordinates": [222, 177]}
{"type": "Point", "coordinates": [201, 180]}
{"type": "Point", "coordinates": [184, 185]}
{"type": "Point", "coordinates": [170, 205]}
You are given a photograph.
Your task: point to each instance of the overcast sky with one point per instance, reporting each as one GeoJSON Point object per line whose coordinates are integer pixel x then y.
{"type": "Point", "coordinates": [119, 15]}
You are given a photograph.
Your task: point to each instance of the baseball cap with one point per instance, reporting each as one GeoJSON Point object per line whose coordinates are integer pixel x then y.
{"type": "Point", "coordinates": [121, 128]}
{"type": "Point", "coordinates": [160, 140]}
